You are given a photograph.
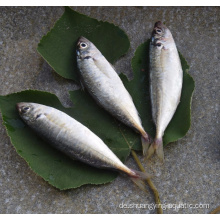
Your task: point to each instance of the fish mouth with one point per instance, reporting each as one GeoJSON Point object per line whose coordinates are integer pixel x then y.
{"type": "Point", "coordinates": [159, 25]}
{"type": "Point", "coordinates": [81, 39]}
{"type": "Point", "coordinates": [19, 106]}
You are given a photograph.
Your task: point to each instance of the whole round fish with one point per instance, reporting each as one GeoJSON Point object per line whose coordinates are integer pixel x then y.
{"type": "Point", "coordinates": [72, 138]}
{"type": "Point", "coordinates": [166, 78]}
{"type": "Point", "coordinates": [106, 87]}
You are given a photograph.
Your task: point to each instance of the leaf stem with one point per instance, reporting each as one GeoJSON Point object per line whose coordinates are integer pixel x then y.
{"type": "Point", "coordinates": [215, 211]}
{"type": "Point", "coordinates": [150, 183]}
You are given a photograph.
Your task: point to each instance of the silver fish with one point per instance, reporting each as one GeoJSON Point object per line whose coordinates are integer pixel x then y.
{"type": "Point", "coordinates": [106, 87]}
{"type": "Point", "coordinates": [73, 139]}
{"type": "Point", "coordinates": [166, 78]}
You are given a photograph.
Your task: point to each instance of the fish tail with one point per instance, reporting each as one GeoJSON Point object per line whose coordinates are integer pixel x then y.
{"type": "Point", "coordinates": [138, 178]}
{"type": "Point", "coordinates": [145, 140]}
{"type": "Point", "coordinates": [140, 175]}
{"type": "Point", "coordinates": [159, 149]}
{"type": "Point", "coordinates": [139, 183]}
{"type": "Point", "coordinates": [156, 147]}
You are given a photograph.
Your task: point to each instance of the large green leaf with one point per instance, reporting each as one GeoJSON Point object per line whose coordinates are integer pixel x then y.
{"type": "Point", "coordinates": [58, 47]}
{"type": "Point", "coordinates": [139, 90]}
{"type": "Point", "coordinates": [53, 166]}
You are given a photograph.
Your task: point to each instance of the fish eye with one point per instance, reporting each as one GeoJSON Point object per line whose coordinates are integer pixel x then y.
{"type": "Point", "coordinates": [83, 45]}
{"type": "Point", "coordinates": [159, 31]}
{"type": "Point", "coordinates": [25, 109]}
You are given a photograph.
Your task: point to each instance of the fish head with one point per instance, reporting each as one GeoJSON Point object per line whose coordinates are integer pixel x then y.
{"type": "Point", "coordinates": [29, 112]}
{"type": "Point", "coordinates": [86, 49]}
{"type": "Point", "coordinates": [161, 35]}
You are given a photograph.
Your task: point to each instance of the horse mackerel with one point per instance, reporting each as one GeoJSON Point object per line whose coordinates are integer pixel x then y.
{"type": "Point", "coordinates": [166, 78]}
{"type": "Point", "coordinates": [106, 87]}
{"type": "Point", "coordinates": [73, 139]}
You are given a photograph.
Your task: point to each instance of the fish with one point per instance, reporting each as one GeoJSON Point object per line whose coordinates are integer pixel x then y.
{"type": "Point", "coordinates": [74, 139]}
{"type": "Point", "coordinates": [102, 82]}
{"type": "Point", "coordinates": [166, 79]}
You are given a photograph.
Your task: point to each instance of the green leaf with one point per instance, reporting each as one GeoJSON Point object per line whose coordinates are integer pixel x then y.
{"type": "Point", "coordinates": [58, 47]}
{"type": "Point", "coordinates": [139, 90]}
{"type": "Point", "coordinates": [46, 161]}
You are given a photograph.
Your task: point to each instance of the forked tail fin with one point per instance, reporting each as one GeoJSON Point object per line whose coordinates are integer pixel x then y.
{"type": "Point", "coordinates": [156, 147]}
{"type": "Point", "coordinates": [138, 178]}
{"type": "Point", "coordinates": [145, 140]}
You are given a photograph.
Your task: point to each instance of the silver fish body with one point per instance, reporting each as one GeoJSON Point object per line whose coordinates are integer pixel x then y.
{"type": "Point", "coordinates": [166, 78]}
{"type": "Point", "coordinates": [106, 87]}
{"type": "Point", "coordinates": [71, 137]}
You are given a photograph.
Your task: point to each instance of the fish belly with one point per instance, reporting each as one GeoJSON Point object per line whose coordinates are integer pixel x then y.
{"type": "Point", "coordinates": [166, 85]}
